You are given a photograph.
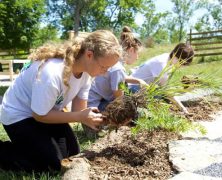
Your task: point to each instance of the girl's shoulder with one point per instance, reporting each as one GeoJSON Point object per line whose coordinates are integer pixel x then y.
{"type": "Point", "coordinates": [162, 58]}
{"type": "Point", "coordinates": [118, 66]}
{"type": "Point", "coordinates": [52, 68]}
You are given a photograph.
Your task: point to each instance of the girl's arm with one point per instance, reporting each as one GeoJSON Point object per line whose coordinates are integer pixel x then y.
{"type": "Point", "coordinates": [78, 104]}
{"type": "Point", "coordinates": [129, 79]}
{"type": "Point", "coordinates": [133, 80]}
{"type": "Point", "coordinates": [117, 93]}
{"type": "Point", "coordinates": [90, 116]}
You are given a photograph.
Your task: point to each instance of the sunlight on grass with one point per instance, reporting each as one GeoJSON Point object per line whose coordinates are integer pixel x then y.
{"type": "Point", "coordinates": [83, 140]}
{"type": "Point", "coordinates": [10, 175]}
{"type": "Point", "coordinates": [3, 135]}
{"type": "Point", "coordinates": [210, 68]}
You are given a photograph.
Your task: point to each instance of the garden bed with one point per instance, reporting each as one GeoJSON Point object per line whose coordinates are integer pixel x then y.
{"type": "Point", "coordinates": [201, 109]}
{"type": "Point", "coordinates": [119, 155]}
{"type": "Point", "coordinates": [123, 156]}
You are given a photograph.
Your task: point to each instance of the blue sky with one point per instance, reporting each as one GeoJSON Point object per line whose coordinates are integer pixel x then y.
{"type": "Point", "coordinates": [167, 5]}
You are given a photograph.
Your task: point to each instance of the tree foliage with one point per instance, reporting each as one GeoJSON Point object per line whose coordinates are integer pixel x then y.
{"type": "Point", "coordinates": [113, 14]}
{"type": "Point", "coordinates": [154, 22]}
{"type": "Point", "coordinates": [19, 21]}
{"type": "Point", "coordinates": [45, 34]}
{"type": "Point", "coordinates": [183, 10]}
{"type": "Point", "coordinates": [92, 15]}
{"type": "Point", "coordinates": [212, 19]}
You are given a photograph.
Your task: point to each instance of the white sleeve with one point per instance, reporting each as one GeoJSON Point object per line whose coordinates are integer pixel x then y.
{"type": "Point", "coordinates": [156, 69]}
{"type": "Point", "coordinates": [84, 91]}
{"type": "Point", "coordinates": [116, 77]}
{"type": "Point", "coordinates": [44, 96]}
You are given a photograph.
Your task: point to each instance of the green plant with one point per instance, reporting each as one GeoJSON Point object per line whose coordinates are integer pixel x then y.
{"type": "Point", "coordinates": [152, 101]}
{"type": "Point", "coordinates": [159, 116]}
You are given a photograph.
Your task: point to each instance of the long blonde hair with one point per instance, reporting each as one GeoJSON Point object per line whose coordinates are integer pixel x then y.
{"type": "Point", "coordinates": [101, 42]}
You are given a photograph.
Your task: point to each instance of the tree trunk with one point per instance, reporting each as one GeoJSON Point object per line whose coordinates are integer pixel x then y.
{"type": "Point", "coordinates": [181, 32]}
{"type": "Point", "coordinates": [77, 18]}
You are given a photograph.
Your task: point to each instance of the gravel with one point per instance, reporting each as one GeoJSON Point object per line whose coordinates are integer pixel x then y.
{"type": "Point", "coordinates": [214, 170]}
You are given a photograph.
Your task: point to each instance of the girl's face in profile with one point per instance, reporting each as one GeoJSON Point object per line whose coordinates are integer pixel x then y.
{"type": "Point", "coordinates": [100, 65]}
{"type": "Point", "coordinates": [131, 56]}
{"type": "Point", "coordinates": [103, 64]}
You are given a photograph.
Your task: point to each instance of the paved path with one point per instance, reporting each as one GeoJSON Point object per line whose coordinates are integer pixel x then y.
{"type": "Point", "coordinates": [197, 156]}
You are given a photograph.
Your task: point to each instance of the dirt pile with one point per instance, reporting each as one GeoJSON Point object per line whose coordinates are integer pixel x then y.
{"type": "Point", "coordinates": [122, 156]}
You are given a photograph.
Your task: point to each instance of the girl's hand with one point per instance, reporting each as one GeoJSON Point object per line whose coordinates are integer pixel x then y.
{"type": "Point", "coordinates": [92, 117]}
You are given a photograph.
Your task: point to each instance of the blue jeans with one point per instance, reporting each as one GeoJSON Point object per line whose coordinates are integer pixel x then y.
{"type": "Point", "coordinates": [134, 88]}
{"type": "Point", "coordinates": [103, 104]}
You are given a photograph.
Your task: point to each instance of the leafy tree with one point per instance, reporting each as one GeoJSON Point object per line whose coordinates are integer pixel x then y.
{"type": "Point", "coordinates": [114, 14]}
{"type": "Point", "coordinates": [92, 15]}
{"type": "Point", "coordinates": [171, 28]}
{"type": "Point", "coordinates": [161, 36]}
{"type": "Point", "coordinates": [212, 20]}
{"type": "Point", "coordinates": [203, 24]}
{"type": "Point", "coordinates": [67, 14]}
{"type": "Point", "coordinates": [153, 21]}
{"type": "Point", "coordinates": [45, 34]}
{"type": "Point", "coordinates": [216, 14]}
{"type": "Point", "coordinates": [19, 21]}
{"type": "Point", "coordinates": [183, 10]}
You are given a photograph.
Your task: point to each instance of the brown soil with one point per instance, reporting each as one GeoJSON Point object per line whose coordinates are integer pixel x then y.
{"type": "Point", "coordinates": [122, 156]}
{"type": "Point", "coordinates": [202, 109]}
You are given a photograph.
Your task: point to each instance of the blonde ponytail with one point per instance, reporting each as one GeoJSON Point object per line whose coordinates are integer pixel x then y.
{"type": "Point", "coordinates": [128, 40]}
{"type": "Point", "coordinates": [102, 42]}
{"type": "Point", "coordinates": [70, 57]}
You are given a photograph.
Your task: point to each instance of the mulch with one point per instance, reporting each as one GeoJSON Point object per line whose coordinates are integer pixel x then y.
{"type": "Point", "coordinates": [202, 109]}
{"type": "Point", "coordinates": [123, 156]}
{"type": "Point", "coordinates": [144, 156]}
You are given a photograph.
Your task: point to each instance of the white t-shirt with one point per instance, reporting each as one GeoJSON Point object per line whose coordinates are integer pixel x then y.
{"type": "Point", "coordinates": [152, 68]}
{"type": "Point", "coordinates": [40, 93]}
{"type": "Point", "coordinates": [103, 86]}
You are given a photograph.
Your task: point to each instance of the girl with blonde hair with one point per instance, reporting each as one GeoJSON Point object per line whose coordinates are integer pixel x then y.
{"type": "Point", "coordinates": [104, 88]}
{"type": "Point", "coordinates": [40, 136]}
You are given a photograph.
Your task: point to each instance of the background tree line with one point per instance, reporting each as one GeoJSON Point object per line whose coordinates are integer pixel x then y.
{"type": "Point", "coordinates": [29, 23]}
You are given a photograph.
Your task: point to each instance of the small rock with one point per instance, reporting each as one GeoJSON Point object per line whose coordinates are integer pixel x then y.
{"type": "Point", "coordinates": [75, 169]}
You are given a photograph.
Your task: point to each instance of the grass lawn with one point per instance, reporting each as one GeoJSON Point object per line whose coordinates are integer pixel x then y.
{"type": "Point", "coordinates": [212, 68]}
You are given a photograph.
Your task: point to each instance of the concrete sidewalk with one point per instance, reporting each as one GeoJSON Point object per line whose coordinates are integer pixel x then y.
{"type": "Point", "coordinates": [198, 156]}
